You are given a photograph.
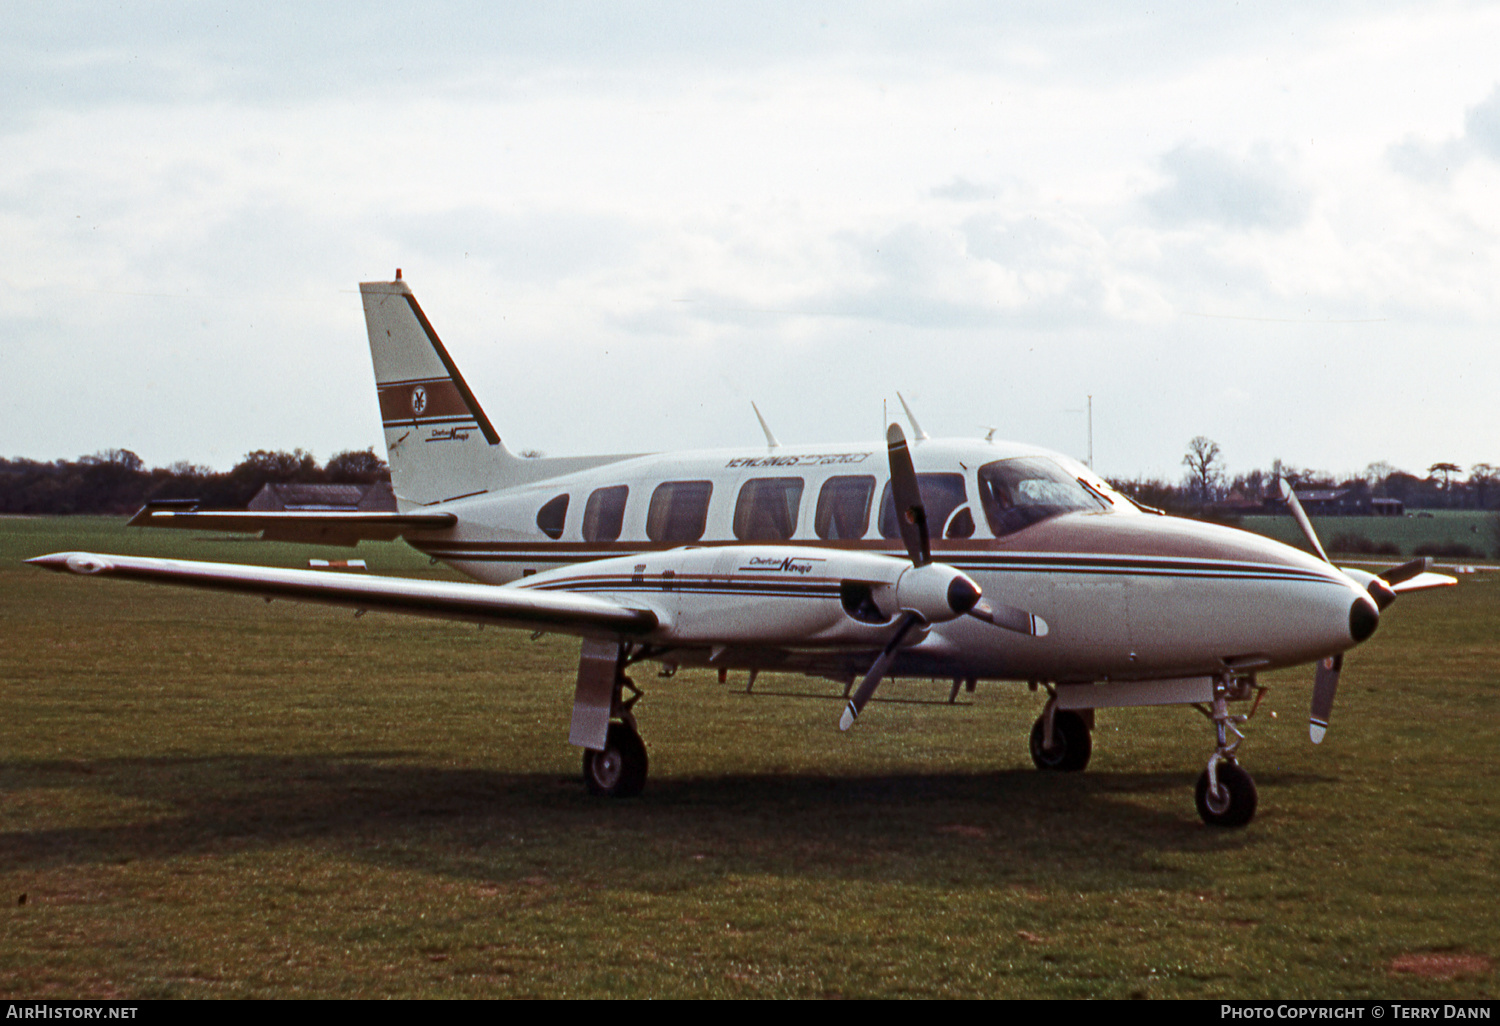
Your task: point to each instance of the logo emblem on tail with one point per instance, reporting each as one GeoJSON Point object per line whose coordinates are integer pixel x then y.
{"type": "Point", "coordinates": [418, 400]}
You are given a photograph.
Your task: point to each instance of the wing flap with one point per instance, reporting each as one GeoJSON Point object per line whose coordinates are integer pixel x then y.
{"type": "Point", "coordinates": [502, 605]}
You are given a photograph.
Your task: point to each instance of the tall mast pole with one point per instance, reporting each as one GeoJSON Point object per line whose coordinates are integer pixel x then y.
{"type": "Point", "coordinates": [1091, 432]}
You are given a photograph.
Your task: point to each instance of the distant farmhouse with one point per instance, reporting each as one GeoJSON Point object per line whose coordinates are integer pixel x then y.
{"type": "Point", "coordinates": [1348, 502]}
{"type": "Point", "coordinates": [347, 498]}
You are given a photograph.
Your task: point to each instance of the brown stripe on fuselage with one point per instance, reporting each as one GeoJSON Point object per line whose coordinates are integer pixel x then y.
{"type": "Point", "coordinates": [1082, 533]}
{"type": "Point", "coordinates": [408, 401]}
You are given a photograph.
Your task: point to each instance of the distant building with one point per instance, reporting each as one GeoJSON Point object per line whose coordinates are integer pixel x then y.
{"type": "Point", "coordinates": [348, 498]}
{"type": "Point", "coordinates": [1348, 502]}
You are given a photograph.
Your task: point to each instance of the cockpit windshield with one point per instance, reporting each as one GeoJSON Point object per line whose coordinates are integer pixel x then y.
{"type": "Point", "coordinates": [1019, 492]}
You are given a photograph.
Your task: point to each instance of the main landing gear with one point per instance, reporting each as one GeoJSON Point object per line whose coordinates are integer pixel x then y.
{"type": "Point", "coordinates": [614, 757]}
{"type": "Point", "coordinates": [619, 771]}
{"type": "Point", "coordinates": [1062, 739]}
{"type": "Point", "coordinates": [1071, 742]}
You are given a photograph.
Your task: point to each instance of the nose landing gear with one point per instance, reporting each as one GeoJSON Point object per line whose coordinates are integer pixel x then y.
{"type": "Point", "coordinates": [1225, 794]}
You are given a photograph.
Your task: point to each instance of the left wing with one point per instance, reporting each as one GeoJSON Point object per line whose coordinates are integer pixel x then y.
{"type": "Point", "coordinates": [501, 605]}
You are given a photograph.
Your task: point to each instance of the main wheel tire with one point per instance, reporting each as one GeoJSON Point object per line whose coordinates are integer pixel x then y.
{"type": "Point", "coordinates": [1072, 744]}
{"type": "Point", "coordinates": [620, 770]}
{"type": "Point", "coordinates": [1234, 805]}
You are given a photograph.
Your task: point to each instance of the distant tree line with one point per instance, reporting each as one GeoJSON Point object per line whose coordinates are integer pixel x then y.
{"type": "Point", "coordinates": [118, 481]}
{"type": "Point", "coordinates": [1207, 484]}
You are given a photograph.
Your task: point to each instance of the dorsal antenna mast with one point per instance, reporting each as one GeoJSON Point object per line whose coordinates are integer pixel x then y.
{"type": "Point", "coordinates": [770, 438]}
{"type": "Point", "coordinates": [916, 428]}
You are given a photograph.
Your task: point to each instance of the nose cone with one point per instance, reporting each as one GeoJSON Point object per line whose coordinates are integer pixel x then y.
{"type": "Point", "coordinates": [1364, 617]}
{"type": "Point", "coordinates": [963, 593]}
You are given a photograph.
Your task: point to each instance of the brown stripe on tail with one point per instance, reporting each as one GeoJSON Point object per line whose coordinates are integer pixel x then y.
{"type": "Point", "coordinates": [413, 402]}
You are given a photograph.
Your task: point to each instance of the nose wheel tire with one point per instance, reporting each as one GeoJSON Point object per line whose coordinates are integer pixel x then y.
{"type": "Point", "coordinates": [1234, 804]}
{"type": "Point", "coordinates": [1072, 744]}
{"type": "Point", "coordinates": [619, 771]}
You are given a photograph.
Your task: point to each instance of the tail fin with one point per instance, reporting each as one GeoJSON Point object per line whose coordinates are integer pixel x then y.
{"type": "Point", "coordinates": [439, 442]}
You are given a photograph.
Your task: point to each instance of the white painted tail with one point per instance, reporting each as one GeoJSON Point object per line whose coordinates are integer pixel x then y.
{"type": "Point", "coordinates": [438, 441]}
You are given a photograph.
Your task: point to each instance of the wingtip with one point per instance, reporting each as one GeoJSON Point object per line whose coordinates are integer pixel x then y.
{"type": "Point", "coordinates": [51, 561]}
{"type": "Point", "coordinates": [847, 720]}
{"type": "Point", "coordinates": [72, 562]}
{"type": "Point", "coordinates": [1317, 731]}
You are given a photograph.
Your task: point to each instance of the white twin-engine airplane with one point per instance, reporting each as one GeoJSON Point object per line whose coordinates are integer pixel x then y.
{"type": "Point", "coordinates": [952, 559]}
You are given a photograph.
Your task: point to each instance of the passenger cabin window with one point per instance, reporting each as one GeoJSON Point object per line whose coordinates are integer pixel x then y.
{"type": "Point", "coordinates": [941, 495]}
{"type": "Point", "coordinates": [551, 517]}
{"type": "Point", "coordinates": [1020, 492]}
{"type": "Point", "coordinates": [844, 508]}
{"type": "Point", "coordinates": [679, 511]}
{"type": "Point", "coordinates": [767, 509]}
{"type": "Point", "coordinates": [604, 514]}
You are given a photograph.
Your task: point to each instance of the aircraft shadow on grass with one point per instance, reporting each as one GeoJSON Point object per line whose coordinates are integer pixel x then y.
{"type": "Point", "coordinates": [443, 820]}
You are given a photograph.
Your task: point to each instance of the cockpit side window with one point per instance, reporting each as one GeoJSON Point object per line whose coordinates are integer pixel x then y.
{"type": "Point", "coordinates": [1019, 492]}
{"type": "Point", "coordinates": [551, 517]}
{"type": "Point", "coordinates": [941, 495]}
{"type": "Point", "coordinates": [844, 507]}
{"type": "Point", "coordinates": [604, 515]}
{"type": "Point", "coordinates": [767, 509]}
{"type": "Point", "coordinates": [679, 511]}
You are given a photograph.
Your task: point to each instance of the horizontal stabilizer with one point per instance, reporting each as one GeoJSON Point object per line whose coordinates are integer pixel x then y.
{"type": "Point", "coordinates": [326, 527]}
{"type": "Point", "coordinates": [501, 605]}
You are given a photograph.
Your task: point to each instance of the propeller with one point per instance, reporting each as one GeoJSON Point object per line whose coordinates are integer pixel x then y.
{"type": "Point", "coordinates": [1326, 680]}
{"type": "Point", "coordinates": [928, 592]}
{"type": "Point", "coordinates": [1362, 620]}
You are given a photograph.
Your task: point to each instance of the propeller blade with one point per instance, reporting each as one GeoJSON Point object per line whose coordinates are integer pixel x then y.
{"type": "Point", "coordinates": [1290, 495]}
{"type": "Point", "coordinates": [1406, 571]}
{"type": "Point", "coordinates": [872, 679]}
{"type": "Point", "coordinates": [1324, 686]}
{"type": "Point", "coordinates": [1009, 617]}
{"type": "Point", "coordinates": [911, 516]}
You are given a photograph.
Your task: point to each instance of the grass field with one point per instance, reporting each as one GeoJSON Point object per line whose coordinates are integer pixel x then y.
{"type": "Point", "coordinates": [1442, 527]}
{"type": "Point", "coordinates": [208, 796]}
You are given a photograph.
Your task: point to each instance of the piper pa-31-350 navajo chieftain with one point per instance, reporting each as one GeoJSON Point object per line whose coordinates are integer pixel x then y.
{"type": "Point", "coordinates": [959, 560]}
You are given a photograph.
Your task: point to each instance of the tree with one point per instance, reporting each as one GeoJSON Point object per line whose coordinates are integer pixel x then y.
{"type": "Point", "coordinates": [1447, 470]}
{"type": "Point", "coordinates": [1205, 469]}
{"type": "Point", "coordinates": [1483, 477]}
{"type": "Point", "coordinates": [356, 467]}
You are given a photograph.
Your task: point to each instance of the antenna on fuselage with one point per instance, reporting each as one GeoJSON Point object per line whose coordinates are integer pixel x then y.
{"type": "Point", "coordinates": [770, 438]}
{"type": "Point", "coordinates": [916, 428]}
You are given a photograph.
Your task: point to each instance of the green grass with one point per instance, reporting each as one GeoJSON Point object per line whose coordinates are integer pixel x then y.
{"type": "Point", "coordinates": [1443, 527]}
{"type": "Point", "coordinates": [209, 796]}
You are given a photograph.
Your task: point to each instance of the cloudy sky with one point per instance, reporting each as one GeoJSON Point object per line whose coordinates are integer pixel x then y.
{"type": "Point", "coordinates": [1277, 227]}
